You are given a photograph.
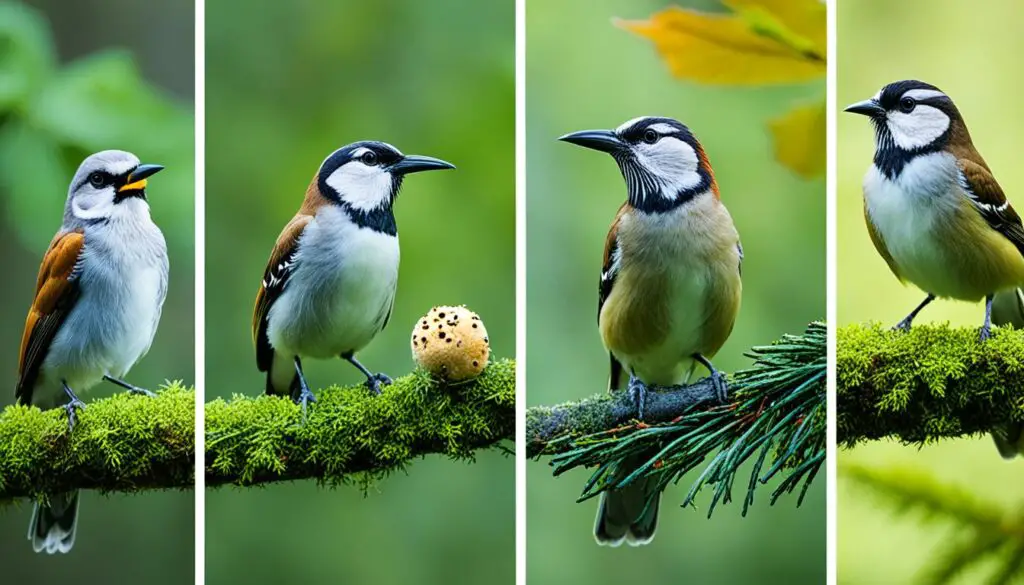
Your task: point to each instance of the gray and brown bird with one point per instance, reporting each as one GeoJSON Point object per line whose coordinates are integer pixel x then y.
{"type": "Point", "coordinates": [99, 294]}
{"type": "Point", "coordinates": [330, 282]}
{"type": "Point", "coordinates": [669, 289]}
{"type": "Point", "coordinates": [936, 213]}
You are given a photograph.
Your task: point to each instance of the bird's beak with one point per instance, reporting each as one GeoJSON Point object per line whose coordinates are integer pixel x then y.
{"type": "Point", "coordinates": [415, 164]}
{"type": "Point", "coordinates": [869, 108]}
{"type": "Point", "coordinates": [137, 179]}
{"type": "Point", "coordinates": [603, 140]}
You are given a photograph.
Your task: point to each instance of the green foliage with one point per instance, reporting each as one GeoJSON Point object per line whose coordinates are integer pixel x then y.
{"type": "Point", "coordinates": [987, 535]}
{"type": "Point", "coordinates": [351, 434]}
{"type": "Point", "coordinates": [932, 382]}
{"type": "Point", "coordinates": [777, 411]}
{"type": "Point", "coordinates": [52, 117]}
{"type": "Point", "coordinates": [123, 443]}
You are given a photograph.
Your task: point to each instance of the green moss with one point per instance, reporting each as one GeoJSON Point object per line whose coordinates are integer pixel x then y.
{"type": "Point", "coordinates": [352, 435]}
{"type": "Point", "coordinates": [932, 382]}
{"type": "Point", "coordinates": [122, 443]}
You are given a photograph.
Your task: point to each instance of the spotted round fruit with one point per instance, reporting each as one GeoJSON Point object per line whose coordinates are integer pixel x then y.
{"type": "Point", "coordinates": [451, 343]}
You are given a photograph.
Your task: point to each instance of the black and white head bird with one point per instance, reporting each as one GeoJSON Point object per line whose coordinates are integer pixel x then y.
{"type": "Point", "coordinates": [97, 304]}
{"type": "Point", "coordinates": [670, 287]}
{"type": "Point", "coordinates": [937, 215]}
{"type": "Point", "coordinates": [329, 285]}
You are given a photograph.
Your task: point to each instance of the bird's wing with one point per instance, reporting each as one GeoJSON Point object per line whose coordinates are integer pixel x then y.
{"type": "Point", "coordinates": [56, 294]}
{"type": "Point", "coordinates": [275, 279]}
{"type": "Point", "coordinates": [879, 242]}
{"type": "Point", "coordinates": [609, 271]}
{"type": "Point", "coordinates": [988, 198]}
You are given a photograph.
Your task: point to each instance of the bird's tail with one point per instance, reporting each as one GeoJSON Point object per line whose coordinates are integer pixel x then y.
{"type": "Point", "coordinates": [53, 526]}
{"type": "Point", "coordinates": [1008, 309]}
{"type": "Point", "coordinates": [629, 514]}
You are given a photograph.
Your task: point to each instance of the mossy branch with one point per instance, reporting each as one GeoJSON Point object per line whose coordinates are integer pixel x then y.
{"type": "Point", "coordinates": [352, 435]}
{"type": "Point", "coordinates": [775, 417]}
{"type": "Point", "coordinates": [932, 382]}
{"type": "Point", "coordinates": [123, 443]}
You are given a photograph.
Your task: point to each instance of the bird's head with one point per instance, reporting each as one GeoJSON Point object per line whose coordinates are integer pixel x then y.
{"type": "Point", "coordinates": [109, 185]}
{"type": "Point", "coordinates": [663, 163]}
{"type": "Point", "coordinates": [910, 118]}
{"type": "Point", "coordinates": [366, 176]}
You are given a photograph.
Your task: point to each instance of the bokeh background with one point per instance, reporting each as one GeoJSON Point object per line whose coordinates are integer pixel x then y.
{"type": "Point", "coordinates": [881, 42]}
{"type": "Point", "coordinates": [585, 73]}
{"type": "Point", "coordinates": [76, 78]}
{"type": "Point", "coordinates": [431, 78]}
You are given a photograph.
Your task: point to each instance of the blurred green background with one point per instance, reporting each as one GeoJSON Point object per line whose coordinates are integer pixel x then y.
{"type": "Point", "coordinates": [76, 78]}
{"type": "Point", "coordinates": [971, 52]}
{"type": "Point", "coordinates": [584, 73]}
{"type": "Point", "coordinates": [431, 78]}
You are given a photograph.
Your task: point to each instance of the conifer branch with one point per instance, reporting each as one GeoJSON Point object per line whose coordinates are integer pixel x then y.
{"type": "Point", "coordinates": [776, 415]}
{"type": "Point", "coordinates": [932, 382]}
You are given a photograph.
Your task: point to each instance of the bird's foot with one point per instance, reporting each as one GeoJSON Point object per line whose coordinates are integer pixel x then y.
{"type": "Point", "coordinates": [638, 393]}
{"type": "Point", "coordinates": [70, 407]}
{"type": "Point", "coordinates": [904, 325]}
{"type": "Point", "coordinates": [303, 398]}
{"type": "Point", "coordinates": [986, 332]}
{"type": "Point", "coordinates": [721, 386]}
{"type": "Point", "coordinates": [376, 381]}
{"type": "Point", "coordinates": [142, 392]}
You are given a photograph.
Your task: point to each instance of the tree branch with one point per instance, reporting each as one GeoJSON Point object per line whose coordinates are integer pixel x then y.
{"type": "Point", "coordinates": [122, 443]}
{"type": "Point", "coordinates": [932, 382]}
{"type": "Point", "coordinates": [775, 415]}
{"type": "Point", "coordinates": [350, 434]}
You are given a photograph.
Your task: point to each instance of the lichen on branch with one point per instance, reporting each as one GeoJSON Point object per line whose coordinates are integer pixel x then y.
{"type": "Point", "coordinates": [932, 382]}
{"type": "Point", "coordinates": [352, 435]}
{"type": "Point", "coordinates": [123, 443]}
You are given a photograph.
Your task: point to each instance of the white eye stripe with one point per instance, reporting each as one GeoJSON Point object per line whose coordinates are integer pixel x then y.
{"type": "Point", "coordinates": [629, 124]}
{"type": "Point", "coordinates": [923, 94]}
{"type": "Point", "coordinates": [360, 152]}
{"type": "Point", "coordinates": [662, 128]}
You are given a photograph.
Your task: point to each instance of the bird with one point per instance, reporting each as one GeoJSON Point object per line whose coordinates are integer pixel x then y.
{"type": "Point", "coordinates": [937, 215]}
{"type": "Point", "coordinates": [98, 298]}
{"type": "Point", "coordinates": [669, 291]}
{"type": "Point", "coordinates": [329, 285]}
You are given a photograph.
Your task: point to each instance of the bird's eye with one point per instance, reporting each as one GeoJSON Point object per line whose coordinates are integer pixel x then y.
{"type": "Point", "coordinates": [907, 105]}
{"type": "Point", "coordinates": [369, 158]}
{"type": "Point", "coordinates": [650, 136]}
{"type": "Point", "coordinates": [98, 180]}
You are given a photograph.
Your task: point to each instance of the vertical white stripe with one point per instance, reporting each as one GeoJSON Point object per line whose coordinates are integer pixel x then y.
{"type": "Point", "coordinates": [200, 296]}
{"type": "Point", "coordinates": [520, 436]}
{"type": "Point", "coordinates": [830, 287]}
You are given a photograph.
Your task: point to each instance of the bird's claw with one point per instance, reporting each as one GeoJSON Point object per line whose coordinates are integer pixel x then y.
{"type": "Point", "coordinates": [375, 382]}
{"type": "Point", "coordinates": [638, 393]}
{"type": "Point", "coordinates": [903, 326]}
{"type": "Point", "coordinates": [721, 386]}
{"type": "Point", "coordinates": [986, 333]}
{"type": "Point", "coordinates": [142, 392]}
{"type": "Point", "coordinates": [70, 408]}
{"type": "Point", "coordinates": [303, 399]}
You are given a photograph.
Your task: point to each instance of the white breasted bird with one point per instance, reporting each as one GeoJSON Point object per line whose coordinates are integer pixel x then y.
{"type": "Point", "coordinates": [669, 289]}
{"type": "Point", "coordinates": [329, 285]}
{"type": "Point", "coordinates": [937, 215]}
{"type": "Point", "coordinates": [98, 298]}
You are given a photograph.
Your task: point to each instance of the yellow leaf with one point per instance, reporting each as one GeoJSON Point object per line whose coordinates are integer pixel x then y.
{"type": "Point", "coordinates": [762, 41]}
{"type": "Point", "coordinates": [799, 138]}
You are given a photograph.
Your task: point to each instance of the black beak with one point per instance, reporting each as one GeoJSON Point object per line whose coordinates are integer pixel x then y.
{"type": "Point", "coordinates": [136, 180]}
{"type": "Point", "coordinates": [869, 108]}
{"type": "Point", "coordinates": [416, 164]}
{"type": "Point", "coordinates": [603, 140]}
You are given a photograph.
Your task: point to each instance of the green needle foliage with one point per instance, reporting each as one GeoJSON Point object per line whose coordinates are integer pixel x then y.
{"type": "Point", "coordinates": [122, 443]}
{"type": "Point", "coordinates": [352, 435]}
{"type": "Point", "coordinates": [776, 415]}
{"type": "Point", "coordinates": [932, 382]}
{"type": "Point", "coordinates": [986, 535]}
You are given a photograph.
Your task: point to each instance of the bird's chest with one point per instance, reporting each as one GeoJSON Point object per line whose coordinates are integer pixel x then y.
{"type": "Point", "coordinates": [122, 285]}
{"type": "Point", "coordinates": [341, 291]}
{"type": "Point", "coordinates": [676, 272]}
{"type": "Point", "coordinates": [922, 218]}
